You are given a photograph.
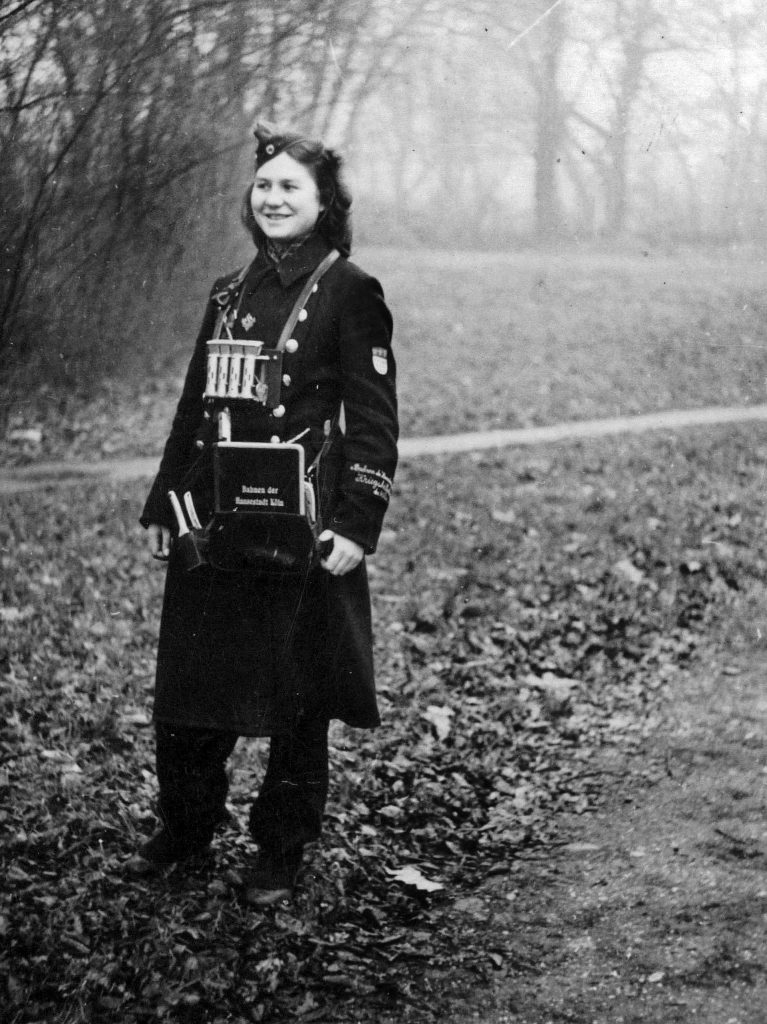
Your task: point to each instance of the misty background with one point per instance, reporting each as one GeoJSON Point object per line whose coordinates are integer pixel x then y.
{"type": "Point", "coordinates": [126, 145]}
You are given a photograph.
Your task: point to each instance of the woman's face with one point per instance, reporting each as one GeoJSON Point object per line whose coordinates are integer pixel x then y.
{"type": "Point", "coordinates": [285, 198]}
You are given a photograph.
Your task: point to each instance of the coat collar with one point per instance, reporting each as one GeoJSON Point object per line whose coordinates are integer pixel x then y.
{"type": "Point", "coordinates": [300, 263]}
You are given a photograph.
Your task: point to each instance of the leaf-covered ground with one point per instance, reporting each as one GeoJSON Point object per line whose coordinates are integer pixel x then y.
{"type": "Point", "coordinates": [531, 610]}
{"type": "Point", "coordinates": [654, 908]}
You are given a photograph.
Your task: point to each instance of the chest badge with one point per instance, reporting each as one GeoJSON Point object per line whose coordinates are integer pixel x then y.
{"type": "Point", "coordinates": [380, 361]}
{"type": "Point", "coordinates": [247, 321]}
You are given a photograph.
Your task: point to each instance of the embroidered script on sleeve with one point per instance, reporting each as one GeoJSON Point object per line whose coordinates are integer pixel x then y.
{"type": "Point", "coordinates": [376, 479]}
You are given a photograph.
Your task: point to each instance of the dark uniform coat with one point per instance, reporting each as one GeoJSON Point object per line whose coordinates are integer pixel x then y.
{"type": "Point", "coordinates": [246, 653]}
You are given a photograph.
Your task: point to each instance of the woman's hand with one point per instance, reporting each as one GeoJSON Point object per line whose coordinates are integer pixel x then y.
{"type": "Point", "coordinates": [159, 541]}
{"type": "Point", "coordinates": [345, 556]}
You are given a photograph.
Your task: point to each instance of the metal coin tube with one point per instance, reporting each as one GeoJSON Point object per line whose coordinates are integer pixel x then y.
{"type": "Point", "coordinates": [235, 371]}
{"type": "Point", "coordinates": [222, 377]}
{"type": "Point", "coordinates": [248, 375]}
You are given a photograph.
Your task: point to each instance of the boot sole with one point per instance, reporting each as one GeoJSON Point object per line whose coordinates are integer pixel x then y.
{"type": "Point", "coordinates": [141, 867]}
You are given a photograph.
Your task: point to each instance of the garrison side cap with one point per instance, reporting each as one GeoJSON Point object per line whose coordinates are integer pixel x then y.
{"type": "Point", "coordinates": [271, 141]}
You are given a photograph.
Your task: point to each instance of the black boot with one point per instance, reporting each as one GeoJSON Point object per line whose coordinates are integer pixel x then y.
{"type": "Point", "coordinates": [162, 850]}
{"type": "Point", "coordinates": [192, 800]}
{"type": "Point", "coordinates": [274, 877]}
{"type": "Point", "coordinates": [287, 813]}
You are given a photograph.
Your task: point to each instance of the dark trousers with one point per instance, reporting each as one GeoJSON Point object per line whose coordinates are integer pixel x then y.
{"type": "Point", "coordinates": [287, 812]}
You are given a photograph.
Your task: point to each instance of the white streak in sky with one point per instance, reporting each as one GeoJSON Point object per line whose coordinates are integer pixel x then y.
{"type": "Point", "coordinates": [537, 21]}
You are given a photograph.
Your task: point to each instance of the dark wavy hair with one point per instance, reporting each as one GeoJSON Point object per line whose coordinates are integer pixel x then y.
{"type": "Point", "coordinates": [334, 223]}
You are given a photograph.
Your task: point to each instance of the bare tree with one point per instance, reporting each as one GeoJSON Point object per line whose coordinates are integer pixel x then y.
{"type": "Point", "coordinates": [109, 115]}
{"type": "Point", "coordinates": [737, 100]}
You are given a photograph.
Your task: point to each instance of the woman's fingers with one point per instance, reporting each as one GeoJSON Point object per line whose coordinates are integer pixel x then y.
{"type": "Point", "coordinates": [159, 542]}
{"type": "Point", "coordinates": [345, 556]}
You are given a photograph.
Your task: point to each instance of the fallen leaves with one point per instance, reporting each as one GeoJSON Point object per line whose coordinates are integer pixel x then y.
{"type": "Point", "coordinates": [410, 875]}
{"type": "Point", "coordinates": [440, 718]}
{"type": "Point", "coordinates": [624, 569]}
{"type": "Point", "coordinates": [509, 650]}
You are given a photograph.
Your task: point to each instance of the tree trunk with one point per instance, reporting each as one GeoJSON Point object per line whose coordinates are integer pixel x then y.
{"type": "Point", "coordinates": [635, 53]}
{"type": "Point", "coordinates": [549, 129]}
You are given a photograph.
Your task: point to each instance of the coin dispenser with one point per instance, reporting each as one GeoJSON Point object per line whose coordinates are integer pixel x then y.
{"type": "Point", "coordinates": [242, 371]}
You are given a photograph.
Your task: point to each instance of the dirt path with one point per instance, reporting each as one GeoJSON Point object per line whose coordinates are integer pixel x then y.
{"type": "Point", "coordinates": [45, 474]}
{"type": "Point", "coordinates": [654, 910]}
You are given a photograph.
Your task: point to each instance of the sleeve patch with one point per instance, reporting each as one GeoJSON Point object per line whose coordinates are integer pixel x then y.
{"type": "Point", "coordinates": [380, 361]}
{"type": "Point", "coordinates": [379, 483]}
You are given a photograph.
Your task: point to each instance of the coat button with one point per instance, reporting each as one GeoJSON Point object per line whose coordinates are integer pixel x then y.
{"type": "Point", "coordinates": [274, 439]}
{"type": "Point", "coordinates": [199, 444]}
{"type": "Point", "coordinates": [278, 411]}
{"type": "Point", "coordinates": [286, 380]}
{"type": "Point", "coordinates": [303, 315]}
{"type": "Point", "coordinates": [316, 288]}
{"type": "Point", "coordinates": [291, 345]}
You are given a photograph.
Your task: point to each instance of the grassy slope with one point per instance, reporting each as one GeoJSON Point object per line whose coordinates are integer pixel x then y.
{"type": "Point", "coordinates": [530, 339]}
{"type": "Point", "coordinates": [493, 340]}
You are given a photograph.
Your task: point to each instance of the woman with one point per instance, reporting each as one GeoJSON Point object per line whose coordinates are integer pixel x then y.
{"type": "Point", "coordinates": [242, 654]}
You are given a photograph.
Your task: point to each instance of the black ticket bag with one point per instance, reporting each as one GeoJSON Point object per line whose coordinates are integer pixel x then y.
{"type": "Point", "coordinates": [265, 516]}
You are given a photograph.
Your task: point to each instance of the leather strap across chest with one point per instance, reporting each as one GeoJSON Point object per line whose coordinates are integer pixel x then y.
{"type": "Point", "coordinates": [290, 323]}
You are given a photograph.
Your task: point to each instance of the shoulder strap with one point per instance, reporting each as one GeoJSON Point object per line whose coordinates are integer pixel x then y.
{"type": "Point", "coordinates": [235, 291]}
{"type": "Point", "coordinates": [230, 296]}
{"type": "Point", "coordinates": [292, 320]}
